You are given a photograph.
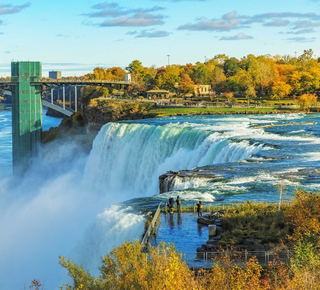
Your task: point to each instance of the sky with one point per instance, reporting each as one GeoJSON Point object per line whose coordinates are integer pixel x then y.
{"type": "Point", "coordinates": [75, 36]}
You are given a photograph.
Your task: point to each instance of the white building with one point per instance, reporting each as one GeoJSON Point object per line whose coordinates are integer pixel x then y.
{"type": "Point", "coordinates": [127, 77]}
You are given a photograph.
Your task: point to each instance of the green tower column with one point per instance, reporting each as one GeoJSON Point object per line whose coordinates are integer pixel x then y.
{"type": "Point", "coordinates": [26, 112]}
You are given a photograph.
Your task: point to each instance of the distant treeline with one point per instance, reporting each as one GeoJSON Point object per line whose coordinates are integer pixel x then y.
{"type": "Point", "coordinates": [251, 76]}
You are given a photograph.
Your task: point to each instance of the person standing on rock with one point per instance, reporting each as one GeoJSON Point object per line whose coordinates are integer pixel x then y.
{"type": "Point", "coordinates": [178, 200]}
{"type": "Point", "coordinates": [199, 209]}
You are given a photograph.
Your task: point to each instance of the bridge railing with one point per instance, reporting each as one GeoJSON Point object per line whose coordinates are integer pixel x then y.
{"type": "Point", "coordinates": [209, 259]}
{"type": "Point", "coordinates": [153, 225]}
{"type": "Point", "coordinates": [84, 81]}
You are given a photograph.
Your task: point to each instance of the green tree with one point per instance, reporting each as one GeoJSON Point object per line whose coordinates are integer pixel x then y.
{"type": "Point", "coordinates": [246, 84]}
{"type": "Point", "coordinates": [231, 67]}
{"type": "Point", "coordinates": [201, 74]}
{"type": "Point", "coordinates": [137, 70]}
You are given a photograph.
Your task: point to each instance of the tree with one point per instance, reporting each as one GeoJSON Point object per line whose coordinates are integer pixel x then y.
{"type": "Point", "coordinates": [220, 58]}
{"type": "Point", "coordinates": [165, 80]}
{"type": "Point", "coordinates": [136, 88]}
{"type": "Point", "coordinates": [218, 80]}
{"type": "Point", "coordinates": [231, 84]}
{"type": "Point", "coordinates": [306, 100]}
{"type": "Point", "coordinates": [306, 56]}
{"type": "Point", "coordinates": [186, 85]}
{"type": "Point", "coordinates": [127, 267]}
{"type": "Point", "coordinates": [201, 74]}
{"type": "Point", "coordinates": [137, 70]}
{"type": "Point", "coordinates": [149, 81]}
{"type": "Point", "coordinates": [303, 216]}
{"type": "Point", "coordinates": [229, 97]}
{"type": "Point", "coordinates": [280, 89]}
{"type": "Point", "coordinates": [116, 73]}
{"type": "Point", "coordinates": [246, 84]}
{"type": "Point", "coordinates": [231, 67]}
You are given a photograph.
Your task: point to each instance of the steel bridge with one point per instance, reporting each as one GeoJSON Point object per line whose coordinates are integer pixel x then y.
{"type": "Point", "coordinates": [27, 86]}
{"type": "Point", "coordinates": [53, 85]}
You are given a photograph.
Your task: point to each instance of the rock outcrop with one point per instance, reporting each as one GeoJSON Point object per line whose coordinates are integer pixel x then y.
{"type": "Point", "coordinates": [167, 181]}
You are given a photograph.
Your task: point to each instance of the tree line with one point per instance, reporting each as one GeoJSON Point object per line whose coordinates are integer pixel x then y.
{"type": "Point", "coordinates": [252, 76]}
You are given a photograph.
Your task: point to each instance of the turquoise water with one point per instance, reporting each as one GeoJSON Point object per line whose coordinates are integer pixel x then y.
{"type": "Point", "coordinates": [6, 137]}
{"type": "Point", "coordinates": [79, 205]}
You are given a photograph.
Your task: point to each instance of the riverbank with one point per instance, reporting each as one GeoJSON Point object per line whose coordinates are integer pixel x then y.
{"type": "Point", "coordinates": [170, 111]}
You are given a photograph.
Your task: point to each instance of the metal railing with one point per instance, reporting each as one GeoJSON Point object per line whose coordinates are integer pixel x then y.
{"type": "Point", "coordinates": [209, 259]}
{"type": "Point", "coordinates": [151, 229]}
{"type": "Point", "coordinates": [82, 81]}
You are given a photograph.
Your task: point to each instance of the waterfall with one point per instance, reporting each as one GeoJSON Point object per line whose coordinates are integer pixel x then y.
{"type": "Point", "coordinates": [129, 158]}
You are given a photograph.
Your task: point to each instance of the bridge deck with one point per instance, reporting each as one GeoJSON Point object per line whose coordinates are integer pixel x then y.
{"type": "Point", "coordinates": [67, 112]}
{"type": "Point", "coordinates": [68, 82]}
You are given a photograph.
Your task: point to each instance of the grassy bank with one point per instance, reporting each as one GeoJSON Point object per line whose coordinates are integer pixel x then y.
{"type": "Point", "coordinates": [207, 208]}
{"type": "Point", "coordinates": [164, 112]}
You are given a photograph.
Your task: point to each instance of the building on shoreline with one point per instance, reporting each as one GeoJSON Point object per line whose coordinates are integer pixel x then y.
{"type": "Point", "coordinates": [160, 94]}
{"type": "Point", "coordinates": [202, 90]}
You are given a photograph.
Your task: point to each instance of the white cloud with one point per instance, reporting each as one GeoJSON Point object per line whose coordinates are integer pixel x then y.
{"type": "Point", "coordinates": [239, 36]}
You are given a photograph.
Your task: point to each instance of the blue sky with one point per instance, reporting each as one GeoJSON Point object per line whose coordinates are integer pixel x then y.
{"type": "Point", "coordinates": [77, 35]}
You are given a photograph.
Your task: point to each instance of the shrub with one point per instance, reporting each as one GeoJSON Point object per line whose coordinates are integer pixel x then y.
{"type": "Point", "coordinates": [126, 267]}
{"type": "Point", "coordinates": [303, 216]}
{"type": "Point", "coordinates": [252, 220]}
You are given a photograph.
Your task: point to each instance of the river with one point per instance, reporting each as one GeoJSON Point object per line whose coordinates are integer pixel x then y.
{"type": "Point", "coordinates": [81, 205]}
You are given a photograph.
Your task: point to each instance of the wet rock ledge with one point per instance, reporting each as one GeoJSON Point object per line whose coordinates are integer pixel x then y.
{"type": "Point", "coordinates": [167, 180]}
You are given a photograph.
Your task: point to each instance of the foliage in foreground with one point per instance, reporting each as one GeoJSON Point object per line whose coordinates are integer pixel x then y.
{"type": "Point", "coordinates": [126, 267]}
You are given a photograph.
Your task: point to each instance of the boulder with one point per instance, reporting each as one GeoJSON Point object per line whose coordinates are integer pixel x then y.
{"type": "Point", "coordinates": [212, 230]}
{"type": "Point", "coordinates": [205, 221]}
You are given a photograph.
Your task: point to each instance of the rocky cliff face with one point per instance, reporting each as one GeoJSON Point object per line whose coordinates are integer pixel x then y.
{"type": "Point", "coordinates": [100, 111]}
{"type": "Point", "coordinates": [94, 116]}
{"type": "Point", "coordinates": [168, 180]}
{"type": "Point", "coordinates": [53, 113]}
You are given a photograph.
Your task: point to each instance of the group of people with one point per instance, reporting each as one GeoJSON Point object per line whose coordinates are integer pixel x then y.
{"type": "Point", "coordinates": [178, 201]}
{"type": "Point", "coordinates": [171, 204]}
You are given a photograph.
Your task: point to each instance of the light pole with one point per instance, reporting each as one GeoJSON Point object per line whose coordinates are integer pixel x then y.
{"type": "Point", "coordinates": [168, 55]}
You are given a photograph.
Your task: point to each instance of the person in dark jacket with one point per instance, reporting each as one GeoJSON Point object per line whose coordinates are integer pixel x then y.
{"type": "Point", "coordinates": [199, 209]}
{"type": "Point", "coordinates": [170, 204]}
{"type": "Point", "coordinates": [178, 200]}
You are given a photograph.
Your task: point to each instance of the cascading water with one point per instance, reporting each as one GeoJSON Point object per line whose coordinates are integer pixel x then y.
{"type": "Point", "coordinates": [129, 158]}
